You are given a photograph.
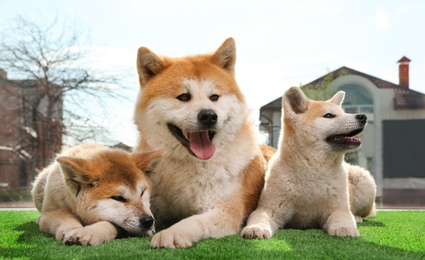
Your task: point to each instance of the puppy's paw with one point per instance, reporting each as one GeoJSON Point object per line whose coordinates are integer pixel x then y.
{"type": "Point", "coordinates": [169, 239]}
{"type": "Point", "coordinates": [85, 237]}
{"type": "Point", "coordinates": [344, 231]}
{"type": "Point", "coordinates": [62, 232]}
{"type": "Point", "coordinates": [256, 231]}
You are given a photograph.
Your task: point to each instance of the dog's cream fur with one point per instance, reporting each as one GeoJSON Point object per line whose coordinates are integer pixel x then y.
{"type": "Point", "coordinates": [212, 176]}
{"type": "Point", "coordinates": [362, 190]}
{"type": "Point", "coordinates": [91, 193]}
{"type": "Point", "coordinates": [307, 182]}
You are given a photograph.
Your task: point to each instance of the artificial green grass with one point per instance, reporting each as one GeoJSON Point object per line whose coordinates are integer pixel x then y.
{"type": "Point", "coordinates": [390, 235]}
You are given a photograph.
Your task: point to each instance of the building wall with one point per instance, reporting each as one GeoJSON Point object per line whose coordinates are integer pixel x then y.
{"type": "Point", "coordinates": [10, 163]}
{"type": "Point", "coordinates": [370, 143]}
{"type": "Point", "coordinates": [373, 137]}
{"type": "Point", "coordinates": [271, 122]}
{"type": "Point", "coordinates": [20, 134]}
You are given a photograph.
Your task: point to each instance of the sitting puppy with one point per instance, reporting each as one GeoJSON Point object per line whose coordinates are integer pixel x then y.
{"type": "Point", "coordinates": [307, 182]}
{"type": "Point", "coordinates": [92, 192]}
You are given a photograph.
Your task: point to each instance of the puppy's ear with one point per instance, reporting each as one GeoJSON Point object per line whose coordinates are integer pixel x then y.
{"type": "Point", "coordinates": [225, 56]}
{"type": "Point", "coordinates": [77, 170]}
{"type": "Point", "coordinates": [294, 101]}
{"type": "Point", "coordinates": [338, 98]}
{"type": "Point", "coordinates": [147, 161]}
{"type": "Point", "coordinates": [148, 65]}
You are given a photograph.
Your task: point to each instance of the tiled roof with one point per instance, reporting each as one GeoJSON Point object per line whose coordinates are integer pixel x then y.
{"type": "Point", "coordinates": [408, 99]}
{"type": "Point", "coordinates": [348, 71]}
{"type": "Point", "coordinates": [274, 105]}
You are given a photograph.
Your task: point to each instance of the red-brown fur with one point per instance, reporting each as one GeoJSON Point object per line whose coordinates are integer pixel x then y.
{"type": "Point", "coordinates": [90, 190]}
{"type": "Point", "coordinates": [208, 197]}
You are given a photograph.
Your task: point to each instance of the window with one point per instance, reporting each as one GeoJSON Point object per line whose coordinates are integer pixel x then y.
{"type": "Point", "coordinates": [358, 100]}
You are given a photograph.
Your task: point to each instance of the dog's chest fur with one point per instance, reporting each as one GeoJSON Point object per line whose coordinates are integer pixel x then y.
{"type": "Point", "coordinates": [189, 186]}
{"type": "Point", "coordinates": [314, 192]}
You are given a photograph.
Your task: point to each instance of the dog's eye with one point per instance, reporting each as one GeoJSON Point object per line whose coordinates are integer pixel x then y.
{"type": "Point", "coordinates": [329, 115]}
{"type": "Point", "coordinates": [119, 198]}
{"type": "Point", "coordinates": [143, 192]}
{"type": "Point", "coordinates": [214, 97]}
{"type": "Point", "coordinates": [185, 97]}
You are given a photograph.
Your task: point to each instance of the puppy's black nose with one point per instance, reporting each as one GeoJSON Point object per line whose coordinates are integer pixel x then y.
{"type": "Point", "coordinates": [362, 118]}
{"type": "Point", "coordinates": [207, 117]}
{"type": "Point", "coordinates": [146, 222]}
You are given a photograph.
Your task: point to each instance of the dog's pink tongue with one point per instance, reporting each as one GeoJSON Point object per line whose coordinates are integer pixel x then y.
{"type": "Point", "coordinates": [201, 145]}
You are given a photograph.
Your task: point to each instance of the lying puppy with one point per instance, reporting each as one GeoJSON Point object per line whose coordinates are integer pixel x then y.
{"type": "Point", "coordinates": [306, 182]}
{"type": "Point", "coordinates": [92, 192]}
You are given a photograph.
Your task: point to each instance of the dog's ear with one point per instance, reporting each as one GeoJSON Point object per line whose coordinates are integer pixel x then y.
{"type": "Point", "coordinates": [77, 171]}
{"type": "Point", "coordinates": [294, 101]}
{"type": "Point", "coordinates": [338, 98]}
{"type": "Point", "coordinates": [148, 65]}
{"type": "Point", "coordinates": [225, 56]}
{"type": "Point", "coordinates": [147, 161]}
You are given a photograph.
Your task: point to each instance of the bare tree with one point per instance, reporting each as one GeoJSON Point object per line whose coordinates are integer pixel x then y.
{"type": "Point", "coordinates": [49, 61]}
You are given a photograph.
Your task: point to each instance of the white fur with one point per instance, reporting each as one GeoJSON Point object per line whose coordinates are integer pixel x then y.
{"type": "Point", "coordinates": [198, 198]}
{"type": "Point", "coordinates": [307, 179]}
{"type": "Point", "coordinates": [184, 178]}
{"type": "Point", "coordinates": [196, 191]}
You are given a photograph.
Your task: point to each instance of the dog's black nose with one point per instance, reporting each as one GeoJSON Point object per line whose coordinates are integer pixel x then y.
{"type": "Point", "coordinates": [362, 118]}
{"type": "Point", "coordinates": [207, 117]}
{"type": "Point", "coordinates": [146, 222]}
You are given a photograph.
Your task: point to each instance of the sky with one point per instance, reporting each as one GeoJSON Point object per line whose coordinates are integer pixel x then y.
{"type": "Point", "coordinates": [279, 43]}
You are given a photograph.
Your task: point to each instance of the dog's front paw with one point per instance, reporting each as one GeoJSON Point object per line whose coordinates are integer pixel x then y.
{"type": "Point", "coordinates": [85, 237]}
{"type": "Point", "coordinates": [256, 231]}
{"type": "Point", "coordinates": [170, 239]}
{"type": "Point", "coordinates": [61, 233]}
{"type": "Point", "coordinates": [344, 231]}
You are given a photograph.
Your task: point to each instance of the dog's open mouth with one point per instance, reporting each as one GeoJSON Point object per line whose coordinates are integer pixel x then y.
{"type": "Point", "coordinates": [199, 144]}
{"type": "Point", "coordinates": [346, 139]}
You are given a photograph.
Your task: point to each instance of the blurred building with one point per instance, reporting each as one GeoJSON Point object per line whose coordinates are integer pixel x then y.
{"type": "Point", "coordinates": [393, 141]}
{"type": "Point", "coordinates": [28, 138]}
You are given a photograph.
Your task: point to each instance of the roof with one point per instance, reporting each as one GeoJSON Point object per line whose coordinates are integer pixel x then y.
{"type": "Point", "coordinates": [408, 99]}
{"type": "Point", "coordinates": [404, 59]}
{"type": "Point", "coordinates": [380, 83]}
{"type": "Point", "coordinates": [272, 106]}
{"type": "Point", "coordinates": [404, 98]}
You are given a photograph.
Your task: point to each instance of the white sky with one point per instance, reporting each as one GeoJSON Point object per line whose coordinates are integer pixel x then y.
{"type": "Point", "coordinates": [280, 43]}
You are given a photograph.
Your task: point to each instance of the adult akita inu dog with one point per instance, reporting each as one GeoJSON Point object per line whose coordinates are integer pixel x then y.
{"type": "Point", "coordinates": [91, 193]}
{"type": "Point", "coordinates": [307, 184]}
{"type": "Point", "coordinates": [212, 176]}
